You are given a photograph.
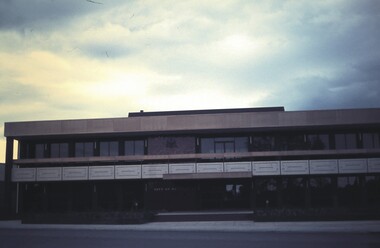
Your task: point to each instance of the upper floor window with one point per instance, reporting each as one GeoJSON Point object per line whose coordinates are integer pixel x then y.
{"type": "Point", "coordinates": [134, 147]}
{"type": "Point", "coordinates": [345, 141]}
{"type": "Point", "coordinates": [109, 148]}
{"type": "Point", "coordinates": [224, 145]}
{"type": "Point", "coordinates": [59, 150]}
{"type": "Point", "coordinates": [318, 141]}
{"type": "Point", "coordinates": [371, 140]}
{"type": "Point", "coordinates": [84, 149]}
{"type": "Point", "coordinates": [40, 151]}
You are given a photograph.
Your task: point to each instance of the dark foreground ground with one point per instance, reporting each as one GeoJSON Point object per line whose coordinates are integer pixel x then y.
{"type": "Point", "coordinates": [44, 238]}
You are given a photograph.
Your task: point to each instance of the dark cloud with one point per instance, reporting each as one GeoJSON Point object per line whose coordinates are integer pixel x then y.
{"type": "Point", "coordinates": [45, 14]}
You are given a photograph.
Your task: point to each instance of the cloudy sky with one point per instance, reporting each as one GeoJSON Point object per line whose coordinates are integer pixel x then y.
{"type": "Point", "coordinates": [65, 59]}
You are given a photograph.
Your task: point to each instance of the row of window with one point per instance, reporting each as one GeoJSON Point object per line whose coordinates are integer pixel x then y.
{"type": "Point", "coordinates": [82, 149]}
{"type": "Point", "coordinates": [185, 145]}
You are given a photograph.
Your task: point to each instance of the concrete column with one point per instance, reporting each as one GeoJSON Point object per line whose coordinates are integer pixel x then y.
{"type": "Point", "coordinates": [8, 178]}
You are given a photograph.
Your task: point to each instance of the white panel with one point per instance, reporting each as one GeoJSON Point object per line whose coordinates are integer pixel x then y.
{"type": "Point", "coordinates": [323, 166]}
{"type": "Point", "coordinates": [266, 168]}
{"type": "Point", "coordinates": [101, 172]}
{"type": "Point", "coordinates": [49, 174]}
{"type": "Point", "coordinates": [209, 167]}
{"type": "Point", "coordinates": [353, 166]}
{"type": "Point", "coordinates": [23, 174]}
{"type": "Point", "coordinates": [295, 167]}
{"type": "Point", "coordinates": [237, 167]}
{"type": "Point", "coordinates": [374, 165]}
{"type": "Point", "coordinates": [127, 171]}
{"type": "Point", "coordinates": [154, 170]}
{"type": "Point", "coordinates": [181, 168]}
{"type": "Point", "coordinates": [75, 173]}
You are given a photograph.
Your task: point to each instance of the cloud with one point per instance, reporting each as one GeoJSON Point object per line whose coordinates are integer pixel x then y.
{"type": "Point", "coordinates": [76, 59]}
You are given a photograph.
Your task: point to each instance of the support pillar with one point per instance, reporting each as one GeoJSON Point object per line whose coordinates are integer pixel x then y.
{"type": "Point", "coordinates": [9, 212]}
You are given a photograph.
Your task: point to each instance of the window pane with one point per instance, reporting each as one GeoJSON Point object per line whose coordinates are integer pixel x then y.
{"type": "Point", "coordinates": [114, 148]}
{"type": "Point", "coordinates": [139, 147]}
{"type": "Point", "coordinates": [88, 149]}
{"type": "Point", "coordinates": [241, 144]}
{"type": "Point", "coordinates": [54, 150]}
{"type": "Point", "coordinates": [129, 148]}
{"type": "Point", "coordinates": [104, 148]}
{"type": "Point", "coordinates": [79, 150]}
{"type": "Point", "coordinates": [207, 145]}
{"type": "Point", "coordinates": [351, 141]}
{"type": "Point", "coordinates": [64, 150]}
{"type": "Point", "coordinates": [40, 151]}
{"type": "Point", "coordinates": [340, 142]}
{"type": "Point", "coordinates": [219, 147]}
{"type": "Point", "coordinates": [229, 147]}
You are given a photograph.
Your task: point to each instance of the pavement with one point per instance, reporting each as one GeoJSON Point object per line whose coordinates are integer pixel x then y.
{"type": "Point", "coordinates": [218, 226]}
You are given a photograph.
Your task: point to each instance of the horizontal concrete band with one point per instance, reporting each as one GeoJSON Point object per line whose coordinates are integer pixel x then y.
{"type": "Point", "coordinates": [194, 122]}
{"type": "Point", "coordinates": [198, 170]}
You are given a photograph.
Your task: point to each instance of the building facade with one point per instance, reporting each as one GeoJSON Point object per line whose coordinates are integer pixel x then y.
{"type": "Point", "coordinates": [231, 159]}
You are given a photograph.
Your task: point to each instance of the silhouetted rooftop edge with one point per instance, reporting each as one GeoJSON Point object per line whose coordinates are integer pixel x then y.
{"type": "Point", "coordinates": [205, 111]}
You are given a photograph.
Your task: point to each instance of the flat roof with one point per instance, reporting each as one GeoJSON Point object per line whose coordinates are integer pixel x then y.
{"type": "Point", "coordinates": [196, 121]}
{"type": "Point", "coordinates": [205, 111]}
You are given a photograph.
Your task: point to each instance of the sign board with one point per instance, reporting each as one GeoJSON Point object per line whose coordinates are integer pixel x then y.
{"type": "Point", "coordinates": [49, 174]}
{"type": "Point", "coordinates": [324, 166]}
{"type": "Point", "coordinates": [181, 168]}
{"type": "Point", "coordinates": [154, 170]}
{"type": "Point", "coordinates": [127, 171]}
{"type": "Point", "coordinates": [74, 173]}
{"type": "Point", "coordinates": [295, 167]}
{"type": "Point", "coordinates": [24, 174]}
{"type": "Point", "coordinates": [238, 167]}
{"type": "Point", "coordinates": [353, 166]}
{"type": "Point", "coordinates": [101, 172]}
{"type": "Point", "coordinates": [265, 168]}
{"type": "Point", "coordinates": [374, 165]}
{"type": "Point", "coordinates": [209, 167]}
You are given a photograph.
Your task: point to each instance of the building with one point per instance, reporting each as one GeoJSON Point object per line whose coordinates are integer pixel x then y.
{"type": "Point", "coordinates": [262, 159]}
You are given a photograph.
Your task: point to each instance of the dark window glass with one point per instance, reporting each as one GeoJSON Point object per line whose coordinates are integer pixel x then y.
{"type": "Point", "coordinates": [59, 150]}
{"type": "Point", "coordinates": [372, 185]}
{"type": "Point", "coordinates": [54, 150]}
{"type": "Point", "coordinates": [134, 147]}
{"type": "Point", "coordinates": [340, 141]}
{"type": "Point", "coordinates": [318, 141]}
{"type": "Point", "coordinates": [266, 193]}
{"type": "Point", "coordinates": [351, 142]}
{"type": "Point", "coordinates": [88, 149]}
{"type": "Point", "coordinates": [79, 150]}
{"type": "Point", "coordinates": [114, 148]}
{"type": "Point", "coordinates": [349, 191]}
{"type": "Point", "coordinates": [84, 149]}
{"type": "Point", "coordinates": [370, 140]}
{"type": "Point", "coordinates": [241, 144]}
{"type": "Point", "coordinates": [321, 191]}
{"type": "Point", "coordinates": [40, 151]}
{"type": "Point", "coordinates": [224, 145]}
{"type": "Point", "coordinates": [207, 145]}
{"type": "Point", "coordinates": [139, 147]}
{"type": "Point", "coordinates": [109, 148]}
{"type": "Point", "coordinates": [263, 143]}
{"type": "Point", "coordinates": [293, 191]}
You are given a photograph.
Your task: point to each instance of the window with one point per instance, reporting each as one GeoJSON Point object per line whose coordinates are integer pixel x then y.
{"type": "Point", "coordinates": [263, 143]}
{"type": "Point", "coordinates": [84, 149]}
{"type": "Point", "coordinates": [40, 151]}
{"type": "Point", "coordinates": [345, 141]}
{"type": "Point", "coordinates": [318, 141]}
{"type": "Point", "coordinates": [134, 147]}
{"type": "Point", "coordinates": [321, 189]}
{"type": "Point", "coordinates": [224, 145]}
{"type": "Point", "coordinates": [371, 140]}
{"type": "Point", "coordinates": [59, 150]}
{"type": "Point", "coordinates": [109, 148]}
